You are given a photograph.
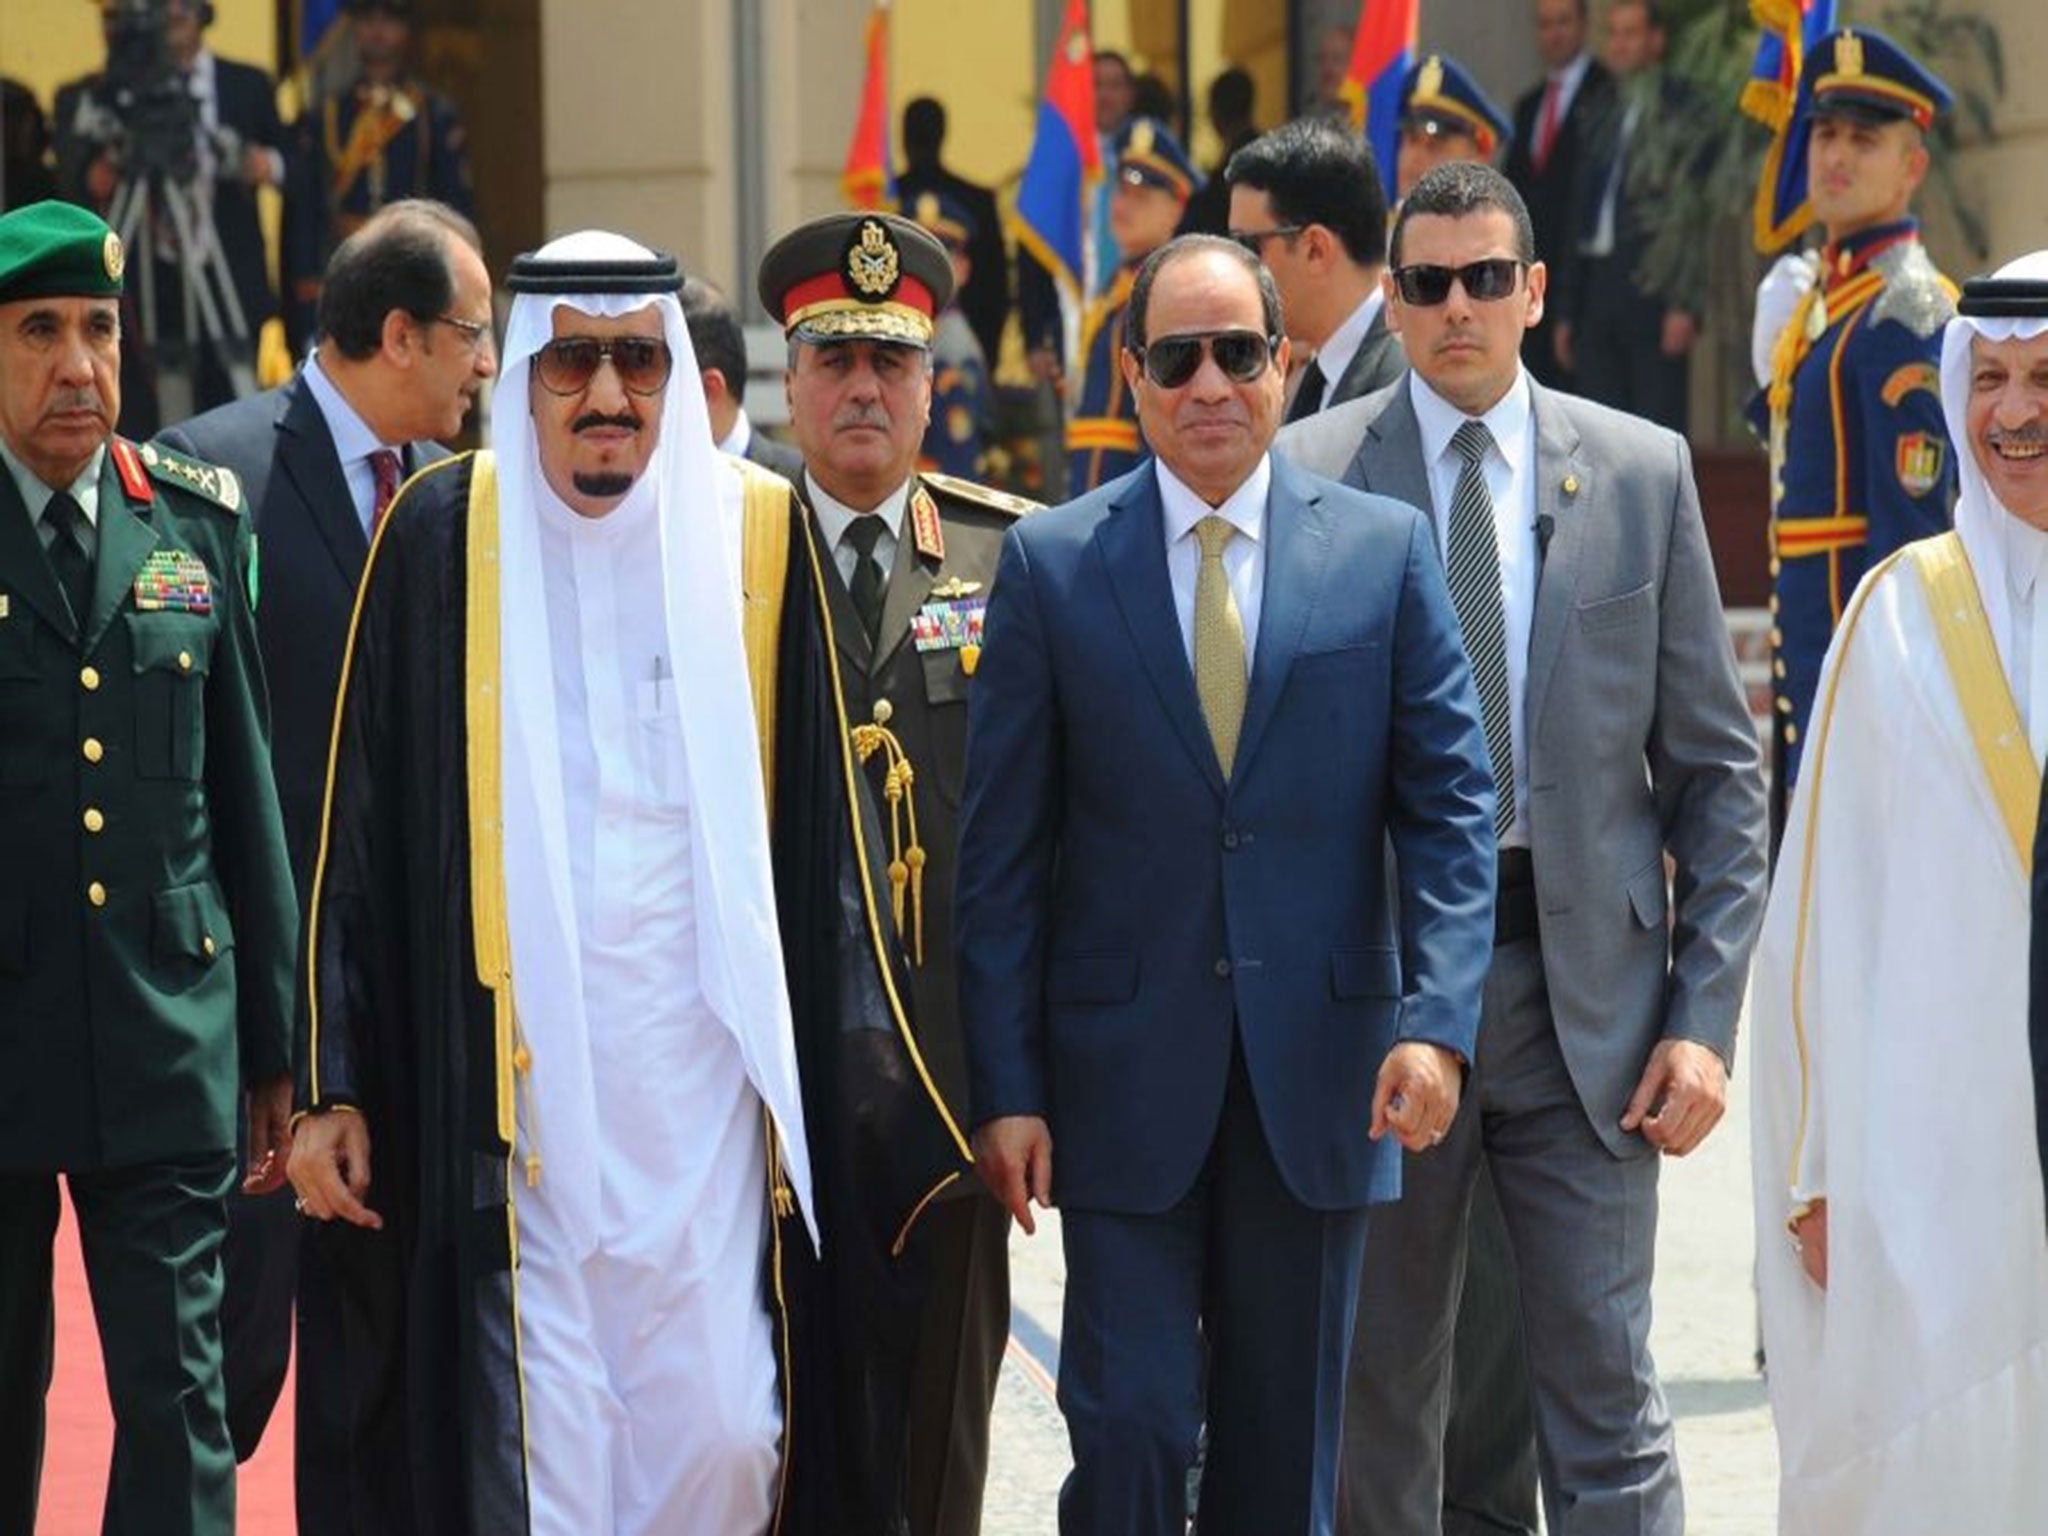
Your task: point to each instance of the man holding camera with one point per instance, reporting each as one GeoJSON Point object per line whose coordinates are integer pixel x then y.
{"type": "Point", "coordinates": [129, 123]}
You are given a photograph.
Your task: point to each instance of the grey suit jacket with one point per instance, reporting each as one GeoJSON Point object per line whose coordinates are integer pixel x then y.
{"type": "Point", "coordinates": [1638, 733]}
{"type": "Point", "coordinates": [1378, 361]}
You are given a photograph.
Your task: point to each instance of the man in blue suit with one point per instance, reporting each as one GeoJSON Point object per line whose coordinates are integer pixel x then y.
{"type": "Point", "coordinates": [405, 318]}
{"type": "Point", "coordinates": [1210, 694]}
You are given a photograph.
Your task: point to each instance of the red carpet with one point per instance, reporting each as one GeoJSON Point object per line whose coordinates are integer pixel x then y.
{"type": "Point", "coordinates": [81, 1429]}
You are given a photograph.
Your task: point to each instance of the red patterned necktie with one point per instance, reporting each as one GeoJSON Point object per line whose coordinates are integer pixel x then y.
{"type": "Point", "coordinates": [1546, 127]}
{"type": "Point", "coordinates": [384, 469]}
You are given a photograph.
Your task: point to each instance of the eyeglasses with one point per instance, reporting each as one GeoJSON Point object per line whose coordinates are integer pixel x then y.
{"type": "Point", "coordinates": [476, 332]}
{"type": "Point", "coordinates": [1171, 361]}
{"type": "Point", "coordinates": [1254, 240]}
{"type": "Point", "coordinates": [1484, 281]}
{"type": "Point", "coordinates": [566, 365]}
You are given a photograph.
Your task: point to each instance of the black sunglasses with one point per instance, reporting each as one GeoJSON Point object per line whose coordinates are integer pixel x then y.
{"type": "Point", "coordinates": [567, 365]}
{"type": "Point", "coordinates": [1171, 361]}
{"type": "Point", "coordinates": [1254, 240]}
{"type": "Point", "coordinates": [1484, 281]}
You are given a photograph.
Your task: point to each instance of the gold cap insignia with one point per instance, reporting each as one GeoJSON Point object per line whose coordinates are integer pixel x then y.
{"type": "Point", "coordinates": [874, 266]}
{"type": "Point", "coordinates": [1431, 81]}
{"type": "Point", "coordinates": [1849, 55]}
{"type": "Point", "coordinates": [1141, 137]}
{"type": "Point", "coordinates": [113, 256]}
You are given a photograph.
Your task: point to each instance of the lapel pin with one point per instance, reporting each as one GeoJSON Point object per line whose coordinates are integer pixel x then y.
{"type": "Point", "coordinates": [3, 605]}
{"type": "Point", "coordinates": [1571, 485]}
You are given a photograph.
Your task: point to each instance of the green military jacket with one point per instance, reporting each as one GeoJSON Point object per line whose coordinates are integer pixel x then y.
{"type": "Point", "coordinates": [920, 675]}
{"type": "Point", "coordinates": [147, 924]}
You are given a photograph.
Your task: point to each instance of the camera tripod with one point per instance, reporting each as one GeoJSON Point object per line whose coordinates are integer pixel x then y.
{"type": "Point", "coordinates": [209, 306]}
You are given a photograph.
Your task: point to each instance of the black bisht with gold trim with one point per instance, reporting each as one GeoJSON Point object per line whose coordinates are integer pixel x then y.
{"type": "Point", "coordinates": [406, 1033]}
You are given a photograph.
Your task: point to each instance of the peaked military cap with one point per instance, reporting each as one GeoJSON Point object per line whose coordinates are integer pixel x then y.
{"type": "Point", "coordinates": [58, 250]}
{"type": "Point", "coordinates": [857, 276]}
{"type": "Point", "coordinates": [1862, 74]}
{"type": "Point", "coordinates": [1438, 96]}
{"type": "Point", "coordinates": [1148, 155]}
{"type": "Point", "coordinates": [945, 216]}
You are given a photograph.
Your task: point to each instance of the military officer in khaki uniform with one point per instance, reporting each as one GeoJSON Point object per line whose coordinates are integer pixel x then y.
{"type": "Point", "coordinates": [147, 927]}
{"type": "Point", "coordinates": [915, 554]}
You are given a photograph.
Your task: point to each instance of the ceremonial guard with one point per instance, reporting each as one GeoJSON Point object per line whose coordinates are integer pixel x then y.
{"type": "Point", "coordinates": [1860, 459]}
{"type": "Point", "coordinates": [1154, 180]}
{"type": "Point", "coordinates": [387, 137]}
{"type": "Point", "coordinates": [1444, 116]}
{"type": "Point", "coordinates": [954, 438]}
{"type": "Point", "coordinates": [913, 556]}
{"type": "Point", "coordinates": [147, 923]}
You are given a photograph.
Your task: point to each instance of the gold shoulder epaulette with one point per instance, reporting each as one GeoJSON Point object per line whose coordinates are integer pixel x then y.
{"type": "Point", "coordinates": [980, 495]}
{"type": "Point", "coordinates": [213, 482]}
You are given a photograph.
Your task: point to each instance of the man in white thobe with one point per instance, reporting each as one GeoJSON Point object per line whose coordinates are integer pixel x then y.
{"type": "Point", "coordinates": [1901, 1254]}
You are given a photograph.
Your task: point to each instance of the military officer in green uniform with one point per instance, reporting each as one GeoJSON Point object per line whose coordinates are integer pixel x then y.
{"type": "Point", "coordinates": [147, 927]}
{"type": "Point", "coordinates": [858, 295]}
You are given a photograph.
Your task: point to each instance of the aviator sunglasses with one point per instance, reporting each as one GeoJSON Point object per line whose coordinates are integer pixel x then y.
{"type": "Point", "coordinates": [567, 365]}
{"type": "Point", "coordinates": [1171, 361]}
{"type": "Point", "coordinates": [1484, 281]}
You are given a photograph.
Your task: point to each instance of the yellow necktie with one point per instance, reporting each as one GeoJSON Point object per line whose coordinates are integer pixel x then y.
{"type": "Point", "coordinates": [1219, 643]}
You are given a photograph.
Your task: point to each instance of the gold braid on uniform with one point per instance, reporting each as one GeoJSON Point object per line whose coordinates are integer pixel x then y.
{"type": "Point", "coordinates": [906, 854]}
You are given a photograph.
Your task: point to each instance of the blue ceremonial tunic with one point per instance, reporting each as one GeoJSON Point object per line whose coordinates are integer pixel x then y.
{"type": "Point", "coordinates": [1103, 440]}
{"type": "Point", "coordinates": [1860, 453]}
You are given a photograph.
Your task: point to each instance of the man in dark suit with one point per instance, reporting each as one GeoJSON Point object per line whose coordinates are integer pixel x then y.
{"type": "Point", "coordinates": [986, 297]}
{"type": "Point", "coordinates": [238, 149]}
{"type": "Point", "coordinates": [1307, 200]}
{"type": "Point", "coordinates": [146, 919]}
{"type": "Point", "coordinates": [1551, 123]}
{"type": "Point", "coordinates": [1627, 342]}
{"type": "Point", "coordinates": [1619, 735]}
{"type": "Point", "coordinates": [721, 348]}
{"type": "Point", "coordinates": [913, 557]}
{"type": "Point", "coordinates": [1212, 693]}
{"type": "Point", "coordinates": [405, 313]}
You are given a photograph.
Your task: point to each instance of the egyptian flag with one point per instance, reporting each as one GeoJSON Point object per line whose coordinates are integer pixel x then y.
{"type": "Point", "coordinates": [1786, 31]}
{"type": "Point", "coordinates": [1065, 161]}
{"type": "Point", "coordinates": [869, 181]}
{"type": "Point", "coordinates": [1383, 51]}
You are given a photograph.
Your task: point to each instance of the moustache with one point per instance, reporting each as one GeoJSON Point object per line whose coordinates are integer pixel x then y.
{"type": "Point", "coordinates": [2033, 435]}
{"type": "Point", "coordinates": [76, 400]}
{"type": "Point", "coordinates": [861, 416]}
{"type": "Point", "coordinates": [590, 419]}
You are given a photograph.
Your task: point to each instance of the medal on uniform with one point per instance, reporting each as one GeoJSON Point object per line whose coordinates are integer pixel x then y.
{"type": "Point", "coordinates": [951, 625]}
{"type": "Point", "coordinates": [173, 581]}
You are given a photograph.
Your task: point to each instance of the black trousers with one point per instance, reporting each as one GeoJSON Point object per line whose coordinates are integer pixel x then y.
{"type": "Point", "coordinates": [152, 1241]}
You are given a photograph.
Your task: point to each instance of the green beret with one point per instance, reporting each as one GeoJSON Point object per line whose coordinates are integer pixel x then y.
{"type": "Point", "coordinates": [58, 250]}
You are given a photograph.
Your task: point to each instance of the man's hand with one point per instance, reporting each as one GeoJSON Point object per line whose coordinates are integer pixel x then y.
{"type": "Point", "coordinates": [1810, 1242]}
{"type": "Point", "coordinates": [270, 1135]}
{"type": "Point", "coordinates": [258, 168]}
{"type": "Point", "coordinates": [1561, 344]}
{"type": "Point", "coordinates": [1417, 1095]}
{"type": "Point", "coordinates": [1681, 330]}
{"type": "Point", "coordinates": [330, 1168]}
{"type": "Point", "coordinates": [1681, 1097]}
{"type": "Point", "coordinates": [1014, 1156]}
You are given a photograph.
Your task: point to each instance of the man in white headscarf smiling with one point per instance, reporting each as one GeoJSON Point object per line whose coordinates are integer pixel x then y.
{"type": "Point", "coordinates": [1901, 1252]}
{"type": "Point", "coordinates": [623, 1056]}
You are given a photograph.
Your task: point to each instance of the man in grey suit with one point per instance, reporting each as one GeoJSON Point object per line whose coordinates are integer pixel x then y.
{"type": "Point", "coordinates": [1619, 737]}
{"type": "Point", "coordinates": [405, 323]}
{"type": "Point", "coordinates": [1306, 199]}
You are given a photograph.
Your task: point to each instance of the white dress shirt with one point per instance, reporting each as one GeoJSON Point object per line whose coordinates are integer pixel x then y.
{"type": "Point", "coordinates": [1336, 352]}
{"type": "Point", "coordinates": [742, 433]}
{"type": "Point", "coordinates": [1244, 557]}
{"type": "Point", "coordinates": [835, 517]}
{"type": "Point", "coordinates": [1510, 469]}
{"type": "Point", "coordinates": [354, 442]}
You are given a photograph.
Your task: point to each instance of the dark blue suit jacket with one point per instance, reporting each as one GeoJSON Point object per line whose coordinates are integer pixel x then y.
{"type": "Point", "coordinates": [311, 550]}
{"type": "Point", "coordinates": [1123, 911]}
